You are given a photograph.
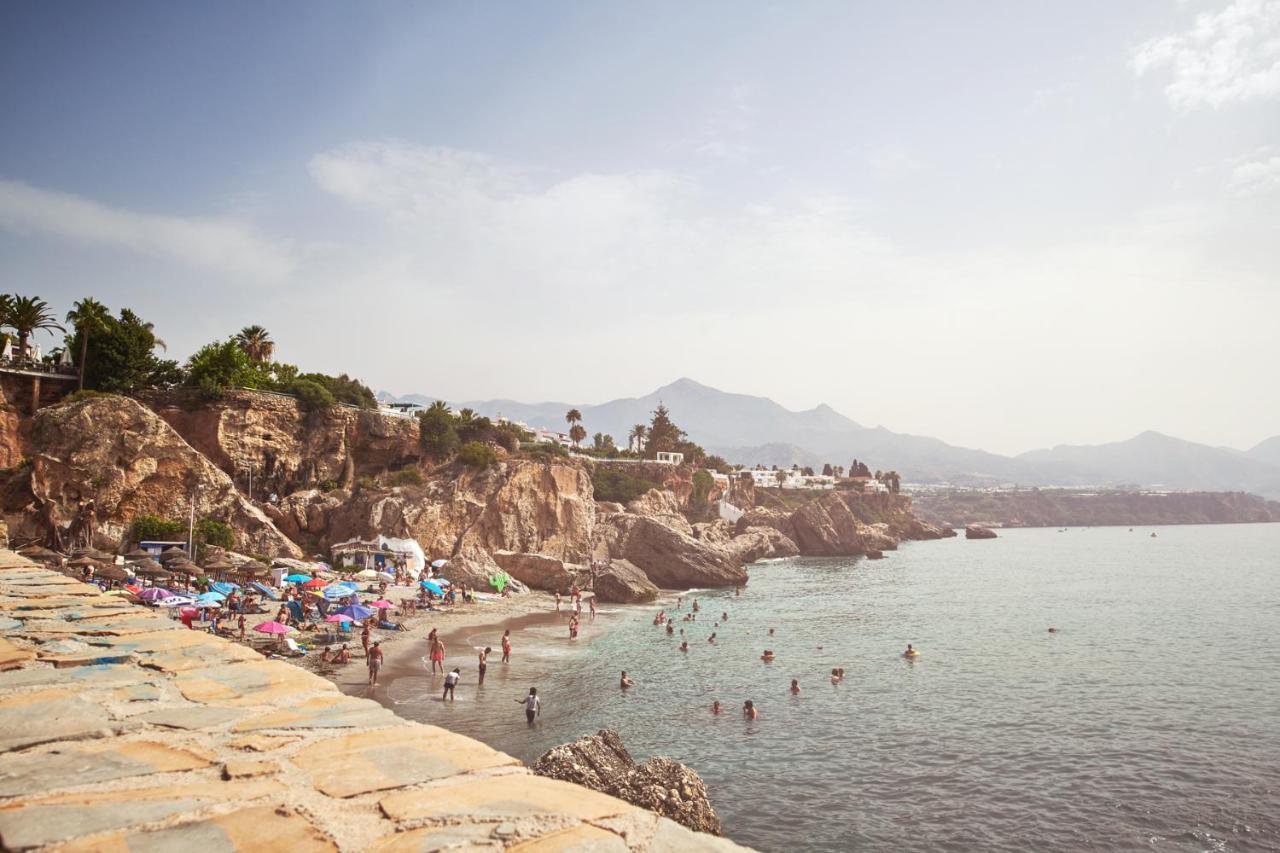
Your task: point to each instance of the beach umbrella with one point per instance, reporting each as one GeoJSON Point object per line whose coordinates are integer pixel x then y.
{"type": "Point", "coordinates": [367, 574]}
{"type": "Point", "coordinates": [176, 601]}
{"type": "Point", "coordinates": [210, 599]}
{"type": "Point", "coordinates": [112, 573]}
{"type": "Point", "coordinates": [272, 627]}
{"type": "Point", "coordinates": [154, 595]}
{"type": "Point", "coordinates": [225, 587]}
{"type": "Point", "coordinates": [150, 568]}
{"type": "Point", "coordinates": [339, 617]}
{"type": "Point", "coordinates": [297, 578]}
{"type": "Point", "coordinates": [433, 586]}
{"type": "Point", "coordinates": [386, 576]}
{"type": "Point", "coordinates": [182, 567]}
{"type": "Point", "coordinates": [40, 554]}
{"type": "Point", "coordinates": [219, 564]}
{"type": "Point", "coordinates": [137, 554]}
{"type": "Point", "coordinates": [173, 552]}
{"type": "Point", "coordinates": [354, 587]}
{"type": "Point", "coordinates": [82, 561]}
{"type": "Point", "coordinates": [101, 555]}
{"type": "Point", "coordinates": [315, 583]}
{"type": "Point", "coordinates": [357, 612]}
{"type": "Point", "coordinates": [436, 564]}
{"type": "Point", "coordinates": [381, 604]}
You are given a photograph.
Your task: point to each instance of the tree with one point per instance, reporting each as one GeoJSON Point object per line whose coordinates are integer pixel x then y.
{"type": "Point", "coordinates": [573, 416]}
{"type": "Point", "coordinates": [827, 470]}
{"type": "Point", "coordinates": [28, 314]}
{"type": "Point", "coordinates": [256, 343]}
{"type": "Point", "coordinates": [718, 463]}
{"type": "Point", "coordinates": [807, 471]}
{"type": "Point", "coordinates": [576, 433]}
{"type": "Point", "coordinates": [120, 356]}
{"type": "Point", "coordinates": [637, 436]}
{"type": "Point", "coordinates": [89, 317]}
{"type": "Point", "coordinates": [438, 436]}
{"type": "Point", "coordinates": [663, 433]}
{"type": "Point", "coordinates": [477, 455]}
{"type": "Point", "coordinates": [217, 367]}
{"type": "Point", "coordinates": [781, 477]}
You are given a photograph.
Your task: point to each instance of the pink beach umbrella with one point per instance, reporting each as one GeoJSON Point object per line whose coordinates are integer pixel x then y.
{"type": "Point", "coordinates": [341, 617]}
{"type": "Point", "coordinates": [381, 604]}
{"type": "Point", "coordinates": [272, 627]}
{"type": "Point", "coordinates": [154, 594]}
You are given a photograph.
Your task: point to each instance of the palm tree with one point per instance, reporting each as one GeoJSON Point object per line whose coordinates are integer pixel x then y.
{"type": "Point", "coordinates": [26, 314]}
{"type": "Point", "coordinates": [88, 316]}
{"type": "Point", "coordinates": [638, 432]}
{"type": "Point", "coordinates": [155, 341]}
{"type": "Point", "coordinates": [572, 417]}
{"type": "Point", "coordinates": [256, 343]}
{"type": "Point", "coordinates": [576, 433]}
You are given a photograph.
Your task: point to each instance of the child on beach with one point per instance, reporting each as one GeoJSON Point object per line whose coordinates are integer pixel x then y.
{"type": "Point", "coordinates": [532, 705]}
{"type": "Point", "coordinates": [506, 646]}
{"type": "Point", "coordinates": [484, 664]}
{"type": "Point", "coordinates": [450, 682]}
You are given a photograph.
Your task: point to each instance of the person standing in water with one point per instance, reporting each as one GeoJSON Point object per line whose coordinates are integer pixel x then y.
{"type": "Point", "coordinates": [625, 682]}
{"type": "Point", "coordinates": [591, 603]}
{"type": "Point", "coordinates": [437, 655]}
{"type": "Point", "coordinates": [450, 682]}
{"type": "Point", "coordinates": [795, 687]}
{"type": "Point", "coordinates": [484, 664]}
{"type": "Point", "coordinates": [715, 707]}
{"type": "Point", "coordinates": [749, 710]}
{"type": "Point", "coordinates": [532, 705]}
{"type": "Point", "coordinates": [506, 646]}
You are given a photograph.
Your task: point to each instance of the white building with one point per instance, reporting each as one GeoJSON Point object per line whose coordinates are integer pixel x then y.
{"type": "Point", "coordinates": [667, 457]}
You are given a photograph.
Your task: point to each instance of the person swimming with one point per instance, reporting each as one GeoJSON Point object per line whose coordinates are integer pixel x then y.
{"type": "Point", "coordinates": [767, 657]}
{"type": "Point", "coordinates": [749, 710]}
{"type": "Point", "coordinates": [671, 628]}
{"type": "Point", "coordinates": [910, 652]}
{"type": "Point", "coordinates": [795, 687]}
{"type": "Point", "coordinates": [715, 707]}
{"type": "Point", "coordinates": [684, 647]}
{"type": "Point", "coordinates": [836, 676]}
{"type": "Point", "coordinates": [712, 638]}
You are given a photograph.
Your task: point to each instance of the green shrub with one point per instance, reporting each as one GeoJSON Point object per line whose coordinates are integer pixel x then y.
{"type": "Point", "coordinates": [437, 433]}
{"type": "Point", "coordinates": [210, 531]}
{"type": "Point", "coordinates": [544, 451]}
{"type": "Point", "coordinates": [409, 475]}
{"type": "Point", "coordinates": [85, 394]}
{"type": "Point", "coordinates": [327, 485]}
{"type": "Point", "coordinates": [366, 482]}
{"type": "Point", "coordinates": [153, 528]}
{"type": "Point", "coordinates": [312, 394]}
{"type": "Point", "coordinates": [613, 485]}
{"type": "Point", "coordinates": [476, 455]}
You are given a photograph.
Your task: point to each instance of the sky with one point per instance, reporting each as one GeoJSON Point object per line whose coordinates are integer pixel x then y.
{"type": "Point", "coordinates": [1008, 225]}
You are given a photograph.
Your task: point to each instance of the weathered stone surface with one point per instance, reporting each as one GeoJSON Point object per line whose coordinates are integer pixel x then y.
{"type": "Point", "coordinates": [392, 758]}
{"type": "Point", "coordinates": [499, 797]}
{"type": "Point", "coordinates": [977, 531]}
{"type": "Point", "coordinates": [191, 717]}
{"type": "Point", "coordinates": [663, 786]}
{"type": "Point", "coordinates": [761, 543]}
{"type": "Point", "coordinates": [247, 829]}
{"type": "Point", "coordinates": [45, 820]}
{"type": "Point", "coordinates": [322, 712]}
{"type": "Point", "coordinates": [13, 656]}
{"type": "Point", "coordinates": [578, 839]}
{"type": "Point", "coordinates": [55, 714]}
{"type": "Point", "coordinates": [82, 678]}
{"type": "Point", "coordinates": [242, 768]}
{"type": "Point", "coordinates": [255, 683]}
{"type": "Point", "coordinates": [83, 764]}
{"type": "Point", "coordinates": [462, 838]}
{"type": "Point", "coordinates": [670, 558]}
{"type": "Point", "coordinates": [622, 582]}
{"type": "Point", "coordinates": [261, 743]}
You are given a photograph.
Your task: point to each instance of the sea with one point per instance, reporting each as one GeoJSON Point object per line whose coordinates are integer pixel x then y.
{"type": "Point", "coordinates": [1150, 720]}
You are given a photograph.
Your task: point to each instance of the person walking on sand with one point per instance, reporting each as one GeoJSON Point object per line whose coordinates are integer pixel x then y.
{"type": "Point", "coordinates": [450, 682]}
{"type": "Point", "coordinates": [437, 655]}
{"type": "Point", "coordinates": [374, 659]}
{"type": "Point", "coordinates": [591, 603]}
{"type": "Point", "coordinates": [506, 646]}
{"type": "Point", "coordinates": [364, 638]}
{"type": "Point", "coordinates": [484, 664]}
{"type": "Point", "coordinates": [532, 705]}
{"type": "Point", "coordinates": [557, 601]}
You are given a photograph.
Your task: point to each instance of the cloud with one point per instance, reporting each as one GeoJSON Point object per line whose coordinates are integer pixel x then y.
{"type": "Point", "coordinates": [1231, 56]}
{"type": "Point", "coordinates": [1258, 176]}
{"type": "Point", "coordinates": [223, 245]}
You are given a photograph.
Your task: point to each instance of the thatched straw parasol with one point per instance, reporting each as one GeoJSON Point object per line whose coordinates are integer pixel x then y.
{"type": "Point", "coordinates": [183, 567]}
{"type": "Point", "coordinates": [137, 554]}
{"type": "Point", "coordinates": [112, 573]}
{"type": "Point", "coordinates": [40, 554]}
{"type": "Point", "coordinates": [173, 552]}
{"type": "Point", "coordinates": [82, 561]}
{"type": "Point", "coordinates": [219, 564]}
{"type": "Point", "coordinates": [150, 569]}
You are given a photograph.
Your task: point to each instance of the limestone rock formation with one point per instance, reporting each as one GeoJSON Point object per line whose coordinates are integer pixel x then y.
{"type": "Point", "coordinates": [761, 543]}
{"type": "Point", "coordinates": [602, 763]}
{"type": "Point", "coordinates": [977, 531]}
{"type": "Point", "coordinates": [538, 571]}
{"type": "Point", "coordinates": [117, 453]}
{"type": "Point", "coordinates": [622, 582]}
{"type": "Point", "coordinates": [669, 557]}
{"type": "Point", "coordinates": [655, 502]}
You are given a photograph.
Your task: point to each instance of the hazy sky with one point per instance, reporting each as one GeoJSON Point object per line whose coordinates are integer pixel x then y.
{"type": "Point", "coordinates": [1005, 224]}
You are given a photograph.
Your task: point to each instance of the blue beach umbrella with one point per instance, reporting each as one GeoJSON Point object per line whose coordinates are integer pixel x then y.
{"type": "Point", "coordinates": [225, 587]}
{"type": "Point", "coordinates": [336, 592]}
{"type": "Point", "coordinates": [433, 586]}
{"type": "Point", "coordinates": [210, 599]}
{"type": "Point", "coordinates": [297, 578]}
{"type": "Point", "coordinates": [357, 612]}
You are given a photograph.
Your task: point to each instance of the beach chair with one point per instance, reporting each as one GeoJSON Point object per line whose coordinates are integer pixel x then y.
{"type": "Point", "coordinates": [294, 648]}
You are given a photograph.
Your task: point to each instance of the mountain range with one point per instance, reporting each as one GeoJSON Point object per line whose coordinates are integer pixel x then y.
{"type": "Point", "coordinates": [756, 430]}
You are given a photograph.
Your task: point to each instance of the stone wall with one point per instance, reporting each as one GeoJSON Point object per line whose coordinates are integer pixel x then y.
{"type": "Point", "coordinates": [119, 729]}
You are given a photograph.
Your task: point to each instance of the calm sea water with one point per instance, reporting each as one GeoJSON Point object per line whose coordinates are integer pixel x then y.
{"type": "Point", "coordinates": [1151, 721]}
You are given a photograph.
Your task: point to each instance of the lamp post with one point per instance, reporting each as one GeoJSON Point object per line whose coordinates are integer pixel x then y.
{"type": "Point", "coordinates": [191, 525]}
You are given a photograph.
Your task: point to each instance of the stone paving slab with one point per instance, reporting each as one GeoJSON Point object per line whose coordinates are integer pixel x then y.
{"type": "Point", "coordinates": [259, 828]}
{"type": "Point", "coordinates": [393, 758]}
{"type": "Point", "coordinates": [72, 766]}
{"type": "Point", "coordinates": [47, 820]}
{"type": "Point", "coordinates": [582, 838]}
{"type": "Point", "coordinates": [27, 719]}
{"type": "Point", "coordinates": [12, 655]}
{"type": "Point", "coordinates": [322, 712]}
{"type": "Point", "coordinates": [191, 717]}
{"type": "Point", "coordinates": [260, 682]}
{"type": "Point", "coordinates": [502, 797]}
{"type": "Point", "coordinates": [461, 838]}
{"type": "Point", "coordinates": [80, 678]}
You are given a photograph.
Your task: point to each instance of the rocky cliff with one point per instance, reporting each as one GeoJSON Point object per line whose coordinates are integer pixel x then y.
{"type": "Point", "coordinates": [103, 461]}
{"type": "Point", "coordinates": [1080, 508]}
{"type": "Point", "coordinates": [840, 523]}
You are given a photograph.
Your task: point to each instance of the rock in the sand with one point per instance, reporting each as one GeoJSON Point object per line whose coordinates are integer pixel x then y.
{"type": "Point", "coordinates": [602, 763]}
{"type": "Point", "coordinates": [671, 558]}
{"type": "Point", "coordinates": [977, 531]}
{"type": "Point", "coordinates": [622, 582]}
{"type": "Point", "coordinates": [538, 571]}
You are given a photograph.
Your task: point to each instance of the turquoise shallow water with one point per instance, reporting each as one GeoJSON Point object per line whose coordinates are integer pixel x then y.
{"type": "Point", "coordinates": [1151, 721]}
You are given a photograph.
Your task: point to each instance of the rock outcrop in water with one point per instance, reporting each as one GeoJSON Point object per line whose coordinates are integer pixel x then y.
{"type": "Point", "coordinates": [622, 582]}
{"type": "Point", "coordinates": [977, 531]}
{"type": "Point", "coordinates": [602, 763]}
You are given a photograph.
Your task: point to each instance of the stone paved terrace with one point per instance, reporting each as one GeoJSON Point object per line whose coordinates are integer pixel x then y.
{"type": "Point", "coordinates": [121, 730]}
